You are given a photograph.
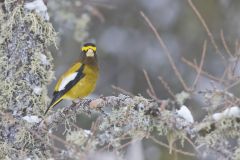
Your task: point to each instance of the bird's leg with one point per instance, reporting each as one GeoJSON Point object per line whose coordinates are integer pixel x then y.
{"type": "Point", "coordinates": [103, 112]}
{"type": "Point", "coordinates": [76, 101]}
{"type": "Point", "coordinates": [85, 108]}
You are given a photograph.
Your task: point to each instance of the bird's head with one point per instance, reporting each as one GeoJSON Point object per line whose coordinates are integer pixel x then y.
{"type": "Point", "coordinates": [89, 55]}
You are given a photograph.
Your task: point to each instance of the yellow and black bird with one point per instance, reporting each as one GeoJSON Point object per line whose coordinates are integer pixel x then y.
{"type": "Point", "coordinates": [80, 80]}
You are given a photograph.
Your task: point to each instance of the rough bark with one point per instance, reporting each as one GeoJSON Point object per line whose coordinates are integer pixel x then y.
{"type": "Point", "coordinates": [26, 70]}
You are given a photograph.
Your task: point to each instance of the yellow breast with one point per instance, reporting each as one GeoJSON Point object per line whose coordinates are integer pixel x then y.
{"type": "Point", "coordinates": [86, 85]}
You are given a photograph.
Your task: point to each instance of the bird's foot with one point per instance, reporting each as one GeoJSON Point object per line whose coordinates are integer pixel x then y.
{"type": "Point", "coordinates": [76, 101]}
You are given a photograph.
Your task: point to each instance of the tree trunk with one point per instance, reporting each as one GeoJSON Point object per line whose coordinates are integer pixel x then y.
{"type": "Point", "coordinates": [26, 70]}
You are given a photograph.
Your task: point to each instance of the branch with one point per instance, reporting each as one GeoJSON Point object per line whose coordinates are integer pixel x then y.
{"type": "Point", "coordinates": [202, 71]}
{"type": "Point", "coordinates": [199, 70]}
{"type": "Point", "coordinates": [209, 33]}
{"type": "Point", "coordinates": [122, 117]}
{"type": "Point", "coordinates": [166, 51]}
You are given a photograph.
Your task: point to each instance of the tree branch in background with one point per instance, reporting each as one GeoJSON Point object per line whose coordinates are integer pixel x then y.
{"type": "Point", "coordinates": [209, 33]}
{"type": "Point", "coordinates": [166, 51]}
{"type": "Point", "coordinates": [167, 87]}
{"type": "Point", "coordinates": [208, 75]}
{"type": "Point", "coordinates": [151, 89]}
{"type": "Point", "coordinates": [199, 69]}
{"type": "Point", "coordinates": [225, 44]}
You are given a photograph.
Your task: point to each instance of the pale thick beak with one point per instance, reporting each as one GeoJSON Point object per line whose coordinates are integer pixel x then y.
{"type": "Point", "coordinates": [90, 53]}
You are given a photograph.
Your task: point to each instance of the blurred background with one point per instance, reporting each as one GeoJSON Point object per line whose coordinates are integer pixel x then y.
{"type": "Point", "coordinates": [126, 45]}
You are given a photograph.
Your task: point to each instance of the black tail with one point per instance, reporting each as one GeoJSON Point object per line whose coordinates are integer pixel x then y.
{"type": "Point", "coordinates": [52, 104]}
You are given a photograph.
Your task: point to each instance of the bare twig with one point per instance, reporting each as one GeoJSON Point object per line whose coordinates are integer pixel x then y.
{"type": "Point", "coordinates": [166, 51]}
{"type": "Point", "coordinates": [209, 33]}
{"type": "Point", "coordinates": [119, 147]}
{"type": "Point", "coordinates": [166, 86]}
{"type": "Point", "coordinates": [153, 97]}
{"type": "Point", "coordinates": [225, 73]}
{"type": "Point", "coordinates": [237, 47]}
{"type": "Point", "coordinates": [62, 141]}
{"type": "Point", "coordinates": [55, 148]}
{"type": "Point", "coordinates": [174, 149]}
{"type": "Point", "coordinates": [95, 12]}
{"type": "Point", "coordinates": [122, 90]}
{"type": "Point", "coordinates": [202, 72]}
{"type": "Point", "coordinates": [102, 4]}
{"type": "Point", "coordinates": [199, 69]}
{"type": "Point", "coordinates": [235, 65]}
{"type": "Point", "coordinates": [151, 89]}
{"type": "Point", "coordinates": [191, 143]}
{"type": "Point", "coordinates": [128, 143]}
{"type": "Point", "coordinates": [225, 44]}
{"type": "Point", "coordinates": [232, 85]}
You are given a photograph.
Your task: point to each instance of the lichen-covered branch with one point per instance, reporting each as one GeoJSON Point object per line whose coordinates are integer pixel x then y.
{"type": "Point", "coordinates": [122, 117]}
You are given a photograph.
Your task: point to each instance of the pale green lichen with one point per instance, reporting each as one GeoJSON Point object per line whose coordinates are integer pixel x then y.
{"type": "Point", "coordinates": [216, 133]}
{"type": "Point", "coordinates": [79, 137]}
{"type": "Point", "coordinates": [31, 67]}
{"type": "Point", "coordinates": [82, 23]}
{"type": "Point", "coordinates": [128, 118]}
{"type": "Point", "coordinates": [182, 97]}
{"type": "Point", "coordinates": [236, 155]}
{"type": "Point", "coordinates": [24, 39]}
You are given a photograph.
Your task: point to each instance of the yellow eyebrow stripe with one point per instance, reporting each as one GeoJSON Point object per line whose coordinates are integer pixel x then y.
{"type": "Point", "coordinates": [86, 48]}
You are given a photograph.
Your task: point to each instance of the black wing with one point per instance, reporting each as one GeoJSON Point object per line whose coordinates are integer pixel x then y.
{"type": "Point", "coordinates": [59, 94]}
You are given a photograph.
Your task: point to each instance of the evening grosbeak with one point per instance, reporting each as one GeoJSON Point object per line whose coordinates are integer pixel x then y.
{"type": "Point", "coordinates": [79, 80]}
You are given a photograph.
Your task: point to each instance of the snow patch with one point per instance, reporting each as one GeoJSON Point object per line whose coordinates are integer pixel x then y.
{"type": "Point", "coordinates": [39, 7]}
{"type": "Point", "coordinates": [185, 113]}
{"type": "Point", "coordinates": [37, 90]}
{"type": "Point", "coordinates": [43, 59]}
{"type": "Point", "coordinates": [87, 132]}
{"type": "Point", "coordinates": [32, 119]}
{"type": "Point", "coordinates": [229, 112]}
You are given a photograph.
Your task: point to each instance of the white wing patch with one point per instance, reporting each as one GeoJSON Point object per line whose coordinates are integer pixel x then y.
{"type": "Point", "coordinates": [66, 80]}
